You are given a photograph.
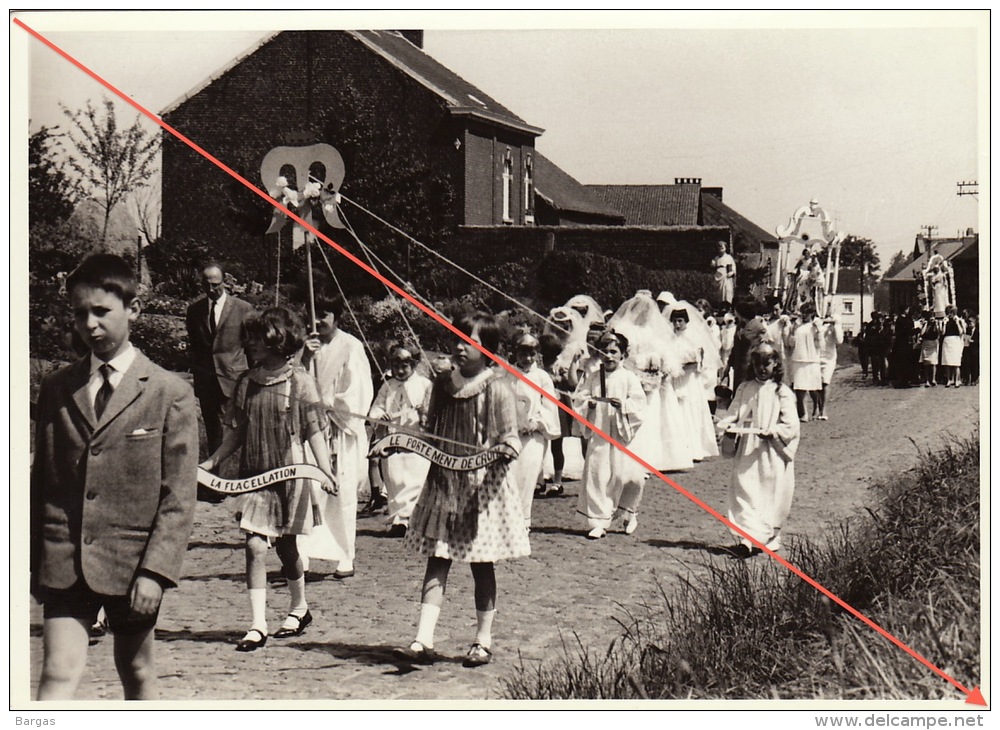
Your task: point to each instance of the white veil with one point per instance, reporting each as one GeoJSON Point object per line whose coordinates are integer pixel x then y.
{"type": "Point", "coordinates": [649, 336]}
{"type": "Point", "coordinates": [698, 334]}
{"type": "Point", "coordinates": [569, 325]}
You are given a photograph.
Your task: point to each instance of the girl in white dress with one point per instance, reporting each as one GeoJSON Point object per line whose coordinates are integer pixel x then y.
{"type": "Point", "coordinates": [694, 349]}
{"type": "Point", "coordinates": [763, 476]}
{"type": "Point", "coordinates": [612, 399]}
{"type": "Point", "coordinates": [663, 440]}
{"type": "Point", "coordinates": [403, 400]}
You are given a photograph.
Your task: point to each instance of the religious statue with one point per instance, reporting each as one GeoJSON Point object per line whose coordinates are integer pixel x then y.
{"type": "Point", "coordinates": [800, 276]}
{"type": "Point", "coordinates": [938, 284]}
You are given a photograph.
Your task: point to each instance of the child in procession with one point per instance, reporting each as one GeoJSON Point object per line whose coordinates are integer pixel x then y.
{"type": "Point", "coordinates": [112, 488]}
{"type": "Point", "coordinates": [612, 399]}
{"type": "Point", "coordinates": [274, 412]}
{"type": "Point", "coordinates": [537, 419]}
{"type": "Point", "coordinates": [403, 401]}
{"type": "Point", "coordinates": [763, 476]}
{"type": "Point", "coordinates": [470, 516]}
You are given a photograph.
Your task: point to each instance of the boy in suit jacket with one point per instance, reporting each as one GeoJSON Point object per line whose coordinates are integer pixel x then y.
{"type": "Point", "coordinates": [112, 488]}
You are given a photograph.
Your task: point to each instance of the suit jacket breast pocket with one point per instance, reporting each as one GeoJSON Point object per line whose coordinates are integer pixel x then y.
{"type": "Point", "coordinates": [142, 434]}
{"type": "Point", "coordinates": [141, 458]}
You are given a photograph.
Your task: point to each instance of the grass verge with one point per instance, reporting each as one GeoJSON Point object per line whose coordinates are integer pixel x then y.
{"type": "Point", "coordinates": [754, 630]}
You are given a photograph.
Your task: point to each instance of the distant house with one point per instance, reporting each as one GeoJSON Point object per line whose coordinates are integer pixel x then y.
{"type": "Point", "coordinates": [687, 203]}
{"type": "Point", "coordinates": [854, 301]}
{"type": "Point", "coordinates": [961, 251]}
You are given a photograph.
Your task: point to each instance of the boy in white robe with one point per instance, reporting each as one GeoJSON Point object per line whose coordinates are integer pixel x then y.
{"type": "Point", "coordinates": [403, 400]}
{"type": "Point", "coordinates": [612, 399]}
{"type": "Point", "coordinates": [763, 476]}
{"type": "Point", "coordinates": [344, 376]}
{"type": "Point", "coordinates": [537, 419]}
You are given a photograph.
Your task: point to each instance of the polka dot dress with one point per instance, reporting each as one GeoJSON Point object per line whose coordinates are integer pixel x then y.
{"type": "Point", "coordinates": [472, 516]}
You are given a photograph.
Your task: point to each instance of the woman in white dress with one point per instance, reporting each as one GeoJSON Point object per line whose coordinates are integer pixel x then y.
{"type": "Point", "coordinates": [803, 344]}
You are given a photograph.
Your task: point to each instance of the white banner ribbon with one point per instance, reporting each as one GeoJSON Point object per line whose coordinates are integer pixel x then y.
{"type": "Point", "coordinates": [281, 474]}
{"type": "Point", "coordinates": [452, 462]}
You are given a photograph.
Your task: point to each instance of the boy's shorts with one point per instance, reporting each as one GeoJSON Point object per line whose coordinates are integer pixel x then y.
{"type": "Point", "coordinates": [80, 602]}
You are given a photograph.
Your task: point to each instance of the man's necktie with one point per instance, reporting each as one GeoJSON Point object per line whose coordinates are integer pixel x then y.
{"type": "Point", "coordinates": [211, 319]}
{"type": "Point", "coordinates": [104, 394]}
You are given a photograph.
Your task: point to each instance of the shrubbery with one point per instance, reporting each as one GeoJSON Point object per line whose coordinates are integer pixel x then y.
{"type": "Point", "coordinates": [563, 274]}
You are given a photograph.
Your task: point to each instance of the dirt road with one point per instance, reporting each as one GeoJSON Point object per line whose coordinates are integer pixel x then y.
{"type": "Point", "coordinates": [569, 587]}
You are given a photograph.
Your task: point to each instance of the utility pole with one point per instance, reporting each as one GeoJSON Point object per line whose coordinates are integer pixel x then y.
{"type": "Point", "coordinates": [930, 231]}
{"type": "Point", "coordinates": [973, 185]}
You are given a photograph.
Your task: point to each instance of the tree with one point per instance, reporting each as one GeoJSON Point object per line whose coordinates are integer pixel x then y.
{"type": "Point", "coordinates": [146, 209]}
{"type": "Point", "coordinates": [110, 163]}
{"type": "Point", "coordinates": [51, 193]}
{"type": "Point", "coordinates": [853, 248]}
{"type": "Point", "coordinates": [897, 263]}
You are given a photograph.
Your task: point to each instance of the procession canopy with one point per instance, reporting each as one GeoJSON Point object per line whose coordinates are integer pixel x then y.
{"type": "Point", "coordinates": [808, 258]}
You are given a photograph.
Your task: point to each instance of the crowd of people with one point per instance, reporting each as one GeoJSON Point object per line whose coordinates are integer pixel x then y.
{"type": "Point", "coordinates": [920, 348]}
{"type": "Point", "coordinates": [672, 382]}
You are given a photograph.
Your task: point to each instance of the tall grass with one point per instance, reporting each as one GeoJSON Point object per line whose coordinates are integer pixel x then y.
{"type": "Point", "coordinates": [754, 630]}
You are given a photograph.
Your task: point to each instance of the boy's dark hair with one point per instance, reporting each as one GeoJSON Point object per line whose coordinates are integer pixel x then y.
{"type": "Point", "coordinates": [748, 308]}
{"type": "Point", "coordinates": [413, 352]}
{"type": "Point", "coordinates": [280, 329]}
{"type": "Point", "coordinates": [482, 323]}
{"type": "Point", "coordinates": [105, 271]}
{"type": "Point", "coordinates": [328, 305]}
{"type": "Point", "coordinates": [549, 346]}
{"type": "Point", "coordinates": [609, 336]}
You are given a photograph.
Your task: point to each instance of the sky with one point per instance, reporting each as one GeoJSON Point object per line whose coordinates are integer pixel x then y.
{"type": "Point", "coordinates": [878, 115]}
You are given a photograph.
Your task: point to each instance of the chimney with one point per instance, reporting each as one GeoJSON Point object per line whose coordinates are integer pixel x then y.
{"type": "Point", "coordinates": [416, 37]}
{"type": "Point", "coordinates": [687, 181]}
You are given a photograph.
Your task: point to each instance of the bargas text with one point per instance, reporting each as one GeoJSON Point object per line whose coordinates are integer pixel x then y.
{"type": "Point", "coordinates": [35, 721]}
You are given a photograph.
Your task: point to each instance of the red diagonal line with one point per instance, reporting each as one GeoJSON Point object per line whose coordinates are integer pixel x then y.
{"type": "Point", "coordinates": [499, 361]}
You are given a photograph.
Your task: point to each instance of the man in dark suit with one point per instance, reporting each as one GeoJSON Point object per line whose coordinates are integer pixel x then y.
{"type": "Point", "coordinates": [217, 358]}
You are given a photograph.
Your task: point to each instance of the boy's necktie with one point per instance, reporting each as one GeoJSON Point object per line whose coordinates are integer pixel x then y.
{"type": "Point", "coordinates": [104, 394]}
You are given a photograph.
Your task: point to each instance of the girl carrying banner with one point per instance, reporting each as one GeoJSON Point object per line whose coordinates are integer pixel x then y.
{"type": "Point", "coordinates": [471, 516]}
{"type": "Point", "coordinates": [274, 412]}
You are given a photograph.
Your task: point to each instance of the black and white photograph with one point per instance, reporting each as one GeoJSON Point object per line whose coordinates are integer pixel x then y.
{"type": "Point", "coordinates": [528, 360]}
